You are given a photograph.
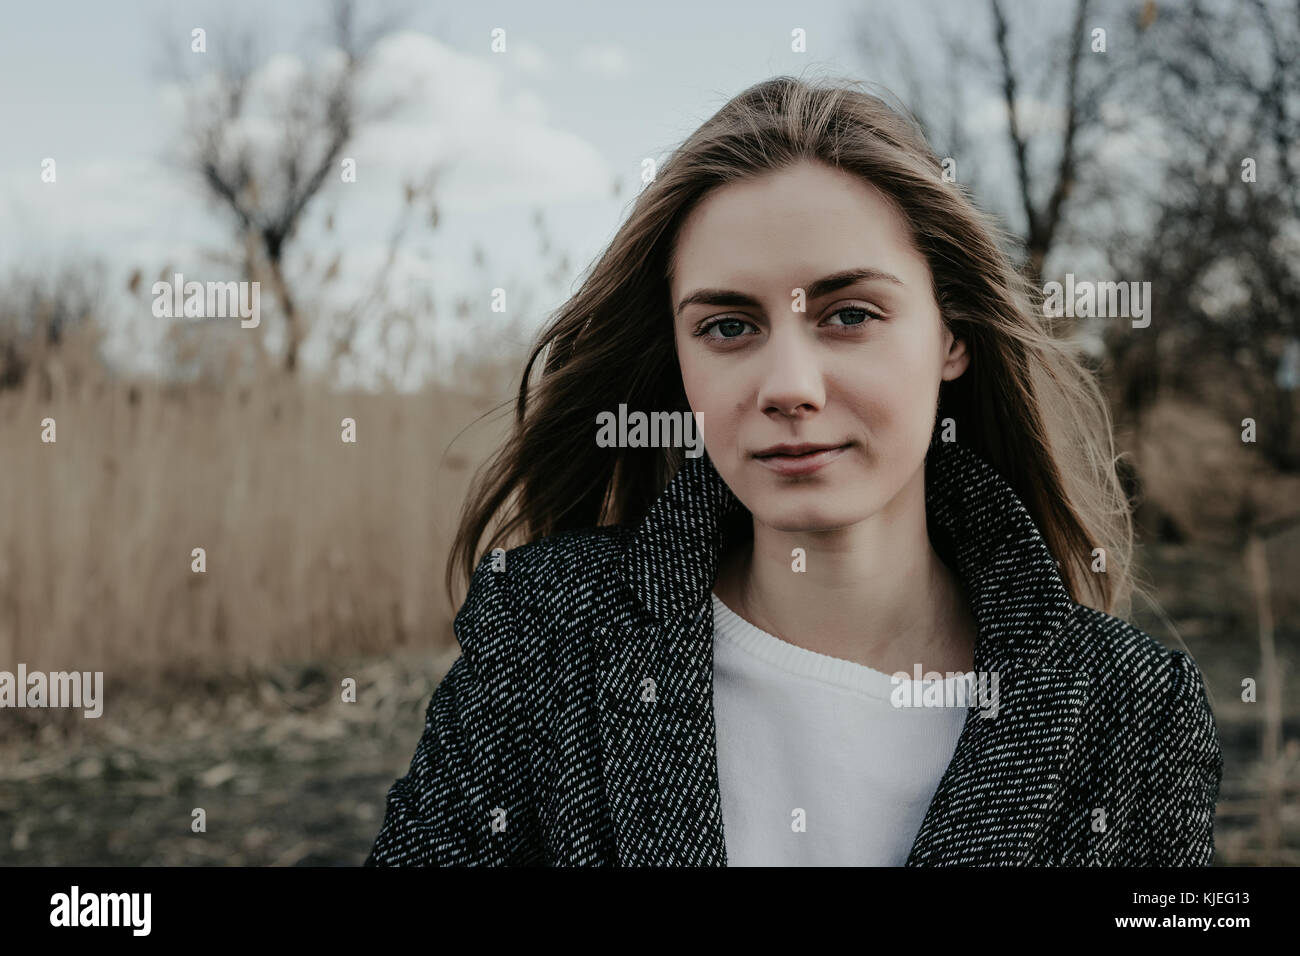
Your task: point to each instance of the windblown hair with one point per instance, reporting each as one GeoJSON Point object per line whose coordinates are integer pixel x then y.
{"type": "Point", "coordinates": [1026, 402]}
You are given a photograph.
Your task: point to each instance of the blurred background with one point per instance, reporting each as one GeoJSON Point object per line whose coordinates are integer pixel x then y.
{"type": "Point", "coordinates": [416, 188]}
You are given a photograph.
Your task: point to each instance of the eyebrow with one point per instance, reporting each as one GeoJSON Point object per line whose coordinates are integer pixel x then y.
{"type": "Point", "coordinates": [823, 286]}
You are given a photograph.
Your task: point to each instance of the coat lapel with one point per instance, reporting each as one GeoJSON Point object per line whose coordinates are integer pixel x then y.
{"type": "Point", "coordinates": [998, 792]}
{"type": "Point", "coordinates": [656, 721]}
{"type": "Point", "coordinates": [655, 679]}
{"type": "Point", "coordinates": [1000, 788]}
{"type": "Point", "coordinates": [655, 674]}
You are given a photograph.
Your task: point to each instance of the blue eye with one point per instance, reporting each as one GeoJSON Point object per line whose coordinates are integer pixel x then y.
{"type": "Point", "coordinates": [736, 325]}
{"type": "Point", "coordinates": [864, 314]}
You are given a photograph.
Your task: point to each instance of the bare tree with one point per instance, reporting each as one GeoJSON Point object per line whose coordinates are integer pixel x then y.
{"type": "Point", "coordinates": [268, 190]}
{"type": "Point", "coordinates": [1024, 64]}
{"type": "Point", "coordinates": [1226, 217]}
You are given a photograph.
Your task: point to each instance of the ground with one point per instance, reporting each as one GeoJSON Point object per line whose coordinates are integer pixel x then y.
{"type": "Point", "coordinates": [286, 772]}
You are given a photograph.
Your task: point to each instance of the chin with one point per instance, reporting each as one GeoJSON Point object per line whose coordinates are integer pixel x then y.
{"type": "Point", "coordinates": [805, 519]}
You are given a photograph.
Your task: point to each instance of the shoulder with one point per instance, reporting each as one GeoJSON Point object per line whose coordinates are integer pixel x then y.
{"type": "Point", "coordinates": [1139, 682]}
{"type": "Point", "coordinates": [1109, 648]}
{"type": "Point", "coordinates": [1153, 724]}
{"type": "Point", "coordinates": [564, 560]}
{"type": "Point", "coordinates": [526, 603]}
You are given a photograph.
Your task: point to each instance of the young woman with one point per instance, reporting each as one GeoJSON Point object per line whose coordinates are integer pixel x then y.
{"type": "Point", "coordinates": [873, 623]}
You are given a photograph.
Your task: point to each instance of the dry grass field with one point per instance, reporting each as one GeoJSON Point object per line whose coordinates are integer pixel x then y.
{"type": "Point", "coordinates": [312, 545]}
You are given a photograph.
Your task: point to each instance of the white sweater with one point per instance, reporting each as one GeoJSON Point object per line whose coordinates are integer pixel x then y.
{"type": "Point", "coordinates": [802, 731]}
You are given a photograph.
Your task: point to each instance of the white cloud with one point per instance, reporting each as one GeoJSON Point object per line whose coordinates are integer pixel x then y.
{"type": "Point", "coordinates": [528, 104]}
{"type": "Point", "coordinates": [605, 60]}
{"type": "Point", "coordinates": [529, 58]}
{"type": "Point", "coordinates": [461, 109]}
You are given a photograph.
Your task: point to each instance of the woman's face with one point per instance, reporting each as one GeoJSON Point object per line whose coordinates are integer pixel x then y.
{"type": "Point", "coordinates": [856, 373]}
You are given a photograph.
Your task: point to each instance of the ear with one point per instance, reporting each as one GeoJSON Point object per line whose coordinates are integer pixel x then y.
{"type": "Point", "coordinates": [957, 358]}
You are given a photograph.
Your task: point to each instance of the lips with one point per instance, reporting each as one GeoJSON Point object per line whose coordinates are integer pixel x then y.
{"type": "Point", "coordinates": [799, 460]}
{"type": "Point", "coordinates": [794, 451]}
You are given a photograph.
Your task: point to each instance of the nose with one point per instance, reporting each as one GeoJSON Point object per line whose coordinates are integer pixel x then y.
{"type": "Point", "coordinates": [792, 379]}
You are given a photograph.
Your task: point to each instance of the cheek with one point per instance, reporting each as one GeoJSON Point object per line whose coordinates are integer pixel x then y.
{"type": "Point", "coordinates": [893, 393]}
{"type": "Point", "coordinates": [693, 379]}
{"type": "Point", "coordinates": [719, 398]}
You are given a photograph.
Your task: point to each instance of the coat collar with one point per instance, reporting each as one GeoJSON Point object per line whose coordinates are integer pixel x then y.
{"type": "Point", "coordinates": [655, 684]}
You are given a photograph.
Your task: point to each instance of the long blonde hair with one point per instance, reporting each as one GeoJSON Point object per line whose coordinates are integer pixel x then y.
{"type": "Point", "coordinates": [1026, 403]}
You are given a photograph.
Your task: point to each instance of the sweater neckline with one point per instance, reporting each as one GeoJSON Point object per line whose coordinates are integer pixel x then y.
{"type": "Point", "coordinates": [802, 662]}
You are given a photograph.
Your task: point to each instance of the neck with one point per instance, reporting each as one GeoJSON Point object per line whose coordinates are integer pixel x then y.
{"type": "Point", "coordinates": [876, 593]}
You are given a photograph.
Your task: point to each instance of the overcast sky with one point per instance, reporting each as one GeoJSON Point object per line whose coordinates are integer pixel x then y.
{"type": "Point", "coordinates": [583, 94]}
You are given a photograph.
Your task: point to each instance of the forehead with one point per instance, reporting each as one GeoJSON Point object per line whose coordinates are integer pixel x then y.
{"type": "Point", "coordinates": [783, 228]}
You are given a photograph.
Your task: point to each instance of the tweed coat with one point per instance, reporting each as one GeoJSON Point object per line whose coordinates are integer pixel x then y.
{"type": "Point", "coordinates": [576, 727]}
